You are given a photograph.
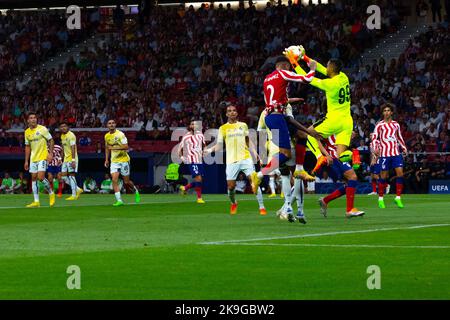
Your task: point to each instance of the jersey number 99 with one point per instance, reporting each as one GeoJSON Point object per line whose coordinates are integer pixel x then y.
{"type": "Point", "coordinates": [344, 94]}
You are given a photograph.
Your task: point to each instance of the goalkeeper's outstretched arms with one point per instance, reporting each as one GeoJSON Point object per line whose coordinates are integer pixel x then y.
{"type": "Point", "coordinates": [296, 53]}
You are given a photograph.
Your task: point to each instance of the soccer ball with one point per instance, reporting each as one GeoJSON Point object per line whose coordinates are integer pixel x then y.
{"type": "Point", "coordinates": [282, 215]}
{"type": "Point", "coordinates": [346, 156]}
{"type": "Point", "coordinates": [296, 51]}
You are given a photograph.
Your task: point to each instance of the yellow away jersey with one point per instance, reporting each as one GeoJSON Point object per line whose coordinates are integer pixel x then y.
{"type": "Point", "coordinates": [234, 134]}
{"type": "Point", "coordinates": [68, 140]}
{"type": "Point", "coordinates": [117, 139]}
{"type": "Point", "coordinates": [37, 140]}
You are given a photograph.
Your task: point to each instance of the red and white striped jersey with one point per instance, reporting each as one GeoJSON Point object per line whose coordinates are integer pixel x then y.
{"type": "Point", "coordinates": [276, 85]}
{"type": "Point", "coordinates": [192, 147]}
{"type": "Point", "coordinates": [387, 138]}
{"type": "Point", "coordinates": [330, 146]}
{"type": "Point", "coordinates": [57, 156]}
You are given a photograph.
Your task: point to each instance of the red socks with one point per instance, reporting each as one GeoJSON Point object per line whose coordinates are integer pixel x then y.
{"type": "Point", "coordinates": [300, 151]}
{"type": "Point", "coordinates": [374, 185]}
{"type": "Point", "coordinates": [335, 194]}
{"type": "Point", "coordinates": [199, 192]}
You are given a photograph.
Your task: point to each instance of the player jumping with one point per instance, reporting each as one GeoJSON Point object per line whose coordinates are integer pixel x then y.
{"type": "Point", "coordinates": [238, 149]}
{"type": "Point", "coordinates": [387, 140]}
{"type": "Point", "coordinates": [338, 120]}
{"type": "Point", "coordinates": [191, 153]}
{"type": "Point", "coordinates": [70, 164]}
{"type": "Point", "coordinates": [37, 157]}
{"type": "Point", "coordinates": [116, 145]}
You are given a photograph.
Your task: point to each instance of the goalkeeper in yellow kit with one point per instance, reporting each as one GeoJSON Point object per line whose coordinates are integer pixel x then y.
{"type": "Point", "coordinates": [338, 120]}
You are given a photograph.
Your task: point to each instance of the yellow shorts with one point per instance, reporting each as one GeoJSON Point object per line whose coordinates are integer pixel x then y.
{"type": "Point", "coordinates": [341, 127]}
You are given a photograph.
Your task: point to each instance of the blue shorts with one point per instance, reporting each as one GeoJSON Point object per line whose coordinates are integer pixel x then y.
{"type": "Point", "coordinates": [54, 170]}
{"type": "Point", "coordinates": [277, 122]}
{"type": "Point", "coordinates": [339, 168]}
{"type": "Point", "coordinates": [196, 169]}
{"type": "Point", "coordinates": [375, 169]}
{"type": "Point", "coordinates": [387, 163]}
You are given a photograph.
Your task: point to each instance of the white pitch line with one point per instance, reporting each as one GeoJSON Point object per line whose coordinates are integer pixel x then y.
{"type": "Point", "coordinates": [330, 245]}
{"type": "Point", "coordinates": [324, 234]}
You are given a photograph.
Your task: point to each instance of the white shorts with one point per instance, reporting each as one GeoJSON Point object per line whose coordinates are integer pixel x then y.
{"type": "Point", "coordinates": [67, 167]}
{"type": "Point", "coordinates": [122, 167]}
{"type": "Point", "coordinates": [38, 166]}
{"type": "Point", "coordinates": [233, 169]}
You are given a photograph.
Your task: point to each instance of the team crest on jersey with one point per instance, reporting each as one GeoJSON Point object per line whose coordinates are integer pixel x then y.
{"type": "Point", "coordinates": [38, 133]}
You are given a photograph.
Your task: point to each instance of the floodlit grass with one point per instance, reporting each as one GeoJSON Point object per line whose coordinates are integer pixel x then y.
{"type": "Point", "coordinates": [169, 247]}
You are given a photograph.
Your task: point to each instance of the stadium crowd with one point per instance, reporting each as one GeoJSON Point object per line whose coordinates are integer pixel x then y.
{"type": "Point", "coordinates": [181, 63]}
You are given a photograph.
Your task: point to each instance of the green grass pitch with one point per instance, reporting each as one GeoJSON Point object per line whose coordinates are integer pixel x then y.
{"type": "Point", "coordinates": [169, 247]}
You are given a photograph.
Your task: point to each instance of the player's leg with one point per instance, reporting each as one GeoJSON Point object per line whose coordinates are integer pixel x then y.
{"type": "Point", "coordinates": [60, 184]}
{"type": "Point", "coordinates": [273, 192]}
{"type": "Point", "coordinates": [382, 183]}
{"type": "Point", "coordinates": [398, 167]}
{"type": "Point", "coordinates": [125, 171]}
{"type": "Point", "coordinates": [281, 138]}
{"type": "Point", "coordinates": [50, 178]}
{"type": "Point", "coordinates": [248, 168]}
{"type": "Point", "coordinates": [184, 189]}
{"type": "Point", "coordinates": [42, 168]}
{"type": "Point", "coordinates": [286, 188]}
{"type": "Point", "coordinates": [350, 190]}
{"type": "Point", "coordinates": [299, 194]}
{"type": "Point", "coordinates": [198, 188]}
{"type": "Point", "coordinates": [300, 152]}
{"type": "Point", "coordinates": [325, 128]}
{"type": "Point", "coordinates": [374, 181]}
{"type": "Point", "coordinates": [34, 185]}
{"type": "Point", "coordinates": [343, 137]}
{"type": "Point", "coordinates": [231, 186]}
{"type": "Point", "coordinates": [115, 174]}
{"type": "Point", "coordinates": [232, 171]}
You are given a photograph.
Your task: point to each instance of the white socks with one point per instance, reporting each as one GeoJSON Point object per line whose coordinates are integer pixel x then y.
{"type": "Point", "coordinates": [34, 186]}
{"type": "Point", "coordinates": [117, 194]}
{"type": "Point", "coordinates": [73, 185]}
{"type": "Point", "coordinates": [259, 197]}
{"type": "Point", "coordinates": [299, 167]}
{"type": "Point", "coordinates": [272, 184]}
{"type": "Point", "coordinates": [286, 187]}
{"type": "Point", "coordinates": [47, 186]}
{"type": "Point", "coordinates": [298, 193]}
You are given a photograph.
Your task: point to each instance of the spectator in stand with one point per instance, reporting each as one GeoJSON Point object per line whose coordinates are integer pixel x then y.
{"type": "Point", "coordinates": [21, 184]}
{"type": "Point", "coordinates": [7, 185]}
{"type": "Point", "coordinates": [325, 178]}
{"type": "Point", "coordinates": [106, 185]}
{"type": "Point", "coordinates": [151, 123]}
{"type": "Point", "coordinates": [89, 185]}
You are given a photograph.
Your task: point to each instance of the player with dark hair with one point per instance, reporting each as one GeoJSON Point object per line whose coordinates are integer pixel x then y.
{"type": "Point", "coordinates": [116, 146]}
{"type": "Point", "coordinates": [70, 163]}
{"type": "Point", "coordinates": [38, 153]}
{"type": "Point", "coordinates": [190, 152]}
{"type": "Point", "coordinates": [387, 141]}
